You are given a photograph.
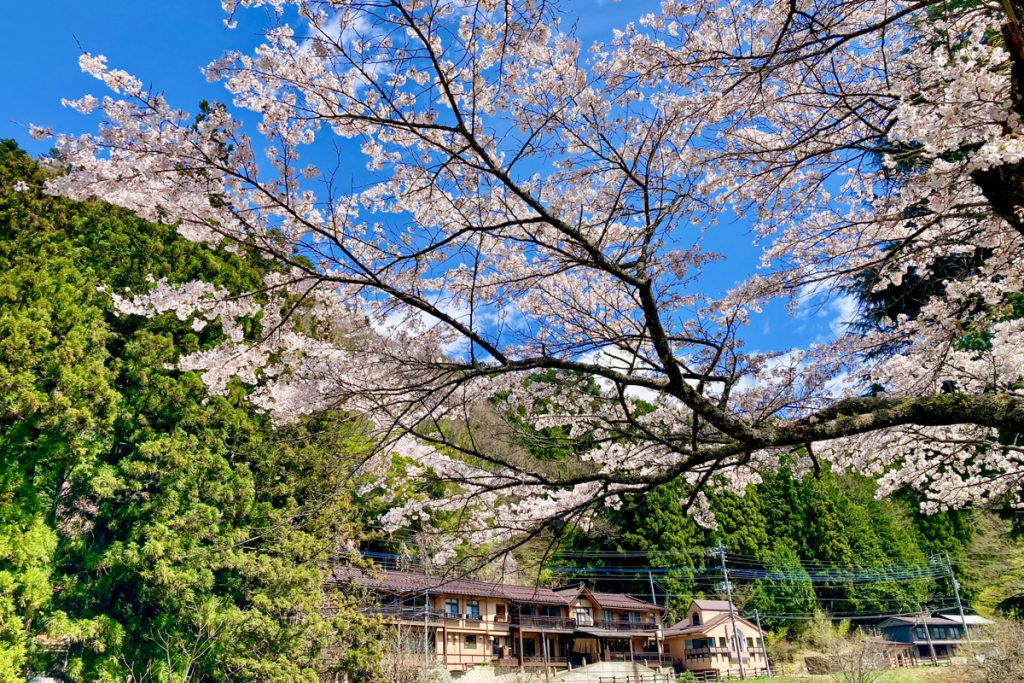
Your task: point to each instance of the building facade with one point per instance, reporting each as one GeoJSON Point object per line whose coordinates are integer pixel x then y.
{"type": "Point", "coordinates": [936, 637]}
{"type": "Point", "coordinates": [714, 645]}
{"type": "Point", "coordinates": [462, 623]}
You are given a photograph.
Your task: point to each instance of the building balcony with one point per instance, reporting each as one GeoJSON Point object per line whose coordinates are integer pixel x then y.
{"type": "Point", "coordinates": [529, 621]}
{"type": "Point", "coordinates": [403, 613]}
{"type": "Point", "coordinates": [530, 662]}
{"type": "Point", "coordinates": [707, 651]}
{"type": "Point", "coordinates": [628, 626]}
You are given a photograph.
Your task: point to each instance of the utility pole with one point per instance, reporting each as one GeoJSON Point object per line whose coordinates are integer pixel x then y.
{"type": "Point", "coordinates": [544, 650]}
{"type": "Point", "coordinates": [732, 613]}
{"type": "Point", "coordinates": [764, 648]}
{"type": "Point", "coordinates": [659, 634]}
{"type": "Point", "coordinates": [654, 601]}
{"type": "Point", "coordinates": [925, 616]}
{"type": "Point", "coordinates": [959, 605]}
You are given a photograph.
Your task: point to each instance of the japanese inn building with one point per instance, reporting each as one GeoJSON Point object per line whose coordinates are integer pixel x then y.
{"type": "Point", "coordinates": [463, 623]}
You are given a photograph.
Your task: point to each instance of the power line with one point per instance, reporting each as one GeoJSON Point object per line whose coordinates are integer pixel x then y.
{"type": "Point", "coordinates": [848, 575]}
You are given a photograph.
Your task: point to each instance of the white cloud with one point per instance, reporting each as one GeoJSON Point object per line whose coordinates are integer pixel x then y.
{"type": "Point", "coordinates": [844, 310]}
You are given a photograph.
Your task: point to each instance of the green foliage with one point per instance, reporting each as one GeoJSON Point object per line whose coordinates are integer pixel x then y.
{"type": "Point", "coordinates": [148, 529]}
{"type": "Point", "coordinates": [787, 589]}
{"type": "Point", "coordinates": [822, 520]}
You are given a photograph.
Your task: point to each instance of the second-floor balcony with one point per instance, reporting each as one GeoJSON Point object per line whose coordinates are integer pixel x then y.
{"type": "Point", "coordinates": [470, 617]}
{"type": "Point", "coordinates": [714, 650]}
{"type": "Point", "coordinates": [404, 613]}
{"type": "Point", "coordinates": [536, 621]}
{"type": "Point", "coordinates": [619, 625]}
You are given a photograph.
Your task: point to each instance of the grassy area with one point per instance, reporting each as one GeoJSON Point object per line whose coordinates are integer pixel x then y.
{"type": "Point", "coordinates": [925, 674]}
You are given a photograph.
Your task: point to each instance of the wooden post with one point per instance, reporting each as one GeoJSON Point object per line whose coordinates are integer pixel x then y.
{"type": "Point", "coordinates": [520, 644]}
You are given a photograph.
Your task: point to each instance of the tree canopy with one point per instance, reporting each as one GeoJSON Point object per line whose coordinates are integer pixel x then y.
{"type": "Point", "coordinates": [535, 205]}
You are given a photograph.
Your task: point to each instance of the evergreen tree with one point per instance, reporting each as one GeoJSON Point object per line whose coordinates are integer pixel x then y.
{"type": "Point", "coordinates": [786, 589]}
{"type": "Point", "coordinates": [148, 529]}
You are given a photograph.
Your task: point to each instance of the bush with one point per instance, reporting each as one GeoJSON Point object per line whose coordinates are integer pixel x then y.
{"type": "Point", "coordinates": [997, 658]}
{"type": "Point", "coordinates": [435, 674]}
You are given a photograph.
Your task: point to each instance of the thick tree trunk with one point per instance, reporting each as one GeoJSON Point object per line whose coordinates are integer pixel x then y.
{"type": "Point", "coordinates": [1003, 186]}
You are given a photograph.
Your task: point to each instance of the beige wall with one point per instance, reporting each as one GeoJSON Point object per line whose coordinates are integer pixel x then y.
{"type": "Point", "coordinates": [450, 633]}
{"type": "Point", "coordinates": [598, 614]}
{"type": "Point", "coordinates": [450, 640]}
{"type": "Point", "coordinates": [720, 657]}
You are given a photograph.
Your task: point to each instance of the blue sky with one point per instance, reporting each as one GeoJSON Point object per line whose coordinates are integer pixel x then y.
{"type": "Point", "coordinates": [167, 43]}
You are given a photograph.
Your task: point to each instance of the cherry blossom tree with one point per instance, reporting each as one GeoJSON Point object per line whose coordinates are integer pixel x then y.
{"type": "Point", "coordinates": [519, 262]}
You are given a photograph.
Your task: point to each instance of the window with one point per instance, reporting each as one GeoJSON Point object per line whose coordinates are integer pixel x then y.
{"type": "Point", "coordinates": [700, 643]}
{"type": "Point", "coordinates": [721, 641]}
{"type": "Point", "coordinates": [470, 642]}
{"type": "Point", "coordinates": [499, 613]}
{"type": "Point", "coordinates": [696, 619]}
{"type": "Point", "coordinates": [750, 643]}
{"type": "Point", "coordinates": [472, 609]}
{"type": "Point", "coordinates": [451, 607]}
{"type": "Point", "coordinates": [582, 616]}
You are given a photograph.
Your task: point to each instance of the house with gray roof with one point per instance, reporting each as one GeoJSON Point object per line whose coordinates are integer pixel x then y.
{"type": "Point", "coordinates": [934, 637]}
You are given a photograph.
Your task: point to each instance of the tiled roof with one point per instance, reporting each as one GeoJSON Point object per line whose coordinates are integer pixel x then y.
{"type": "Point", "coordinates": [685, 628]}
{"type": "Point", "coordinates": [713, 605]}
{"type": "Point", "coordinates": [409, 582]}
{"type": "Point", "coordinates": [608, 600]}
{"type": "Point", "coordinates": [920, 621]}
{"type": "Point", "coordinates": [971, 619]}
{"type": "Point", "coordinates": [622, 601]}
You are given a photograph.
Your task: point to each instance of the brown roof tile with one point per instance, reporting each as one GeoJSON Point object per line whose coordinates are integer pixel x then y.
{"type": "Point", "coordinates": [685, 628]}
{"type": "Point", "coordinates": [622, 601]}
{"type": "Point", "coordinates": [409, 582]}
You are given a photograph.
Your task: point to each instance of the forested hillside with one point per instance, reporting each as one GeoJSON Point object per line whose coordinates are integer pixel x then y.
{"type": "Point", "coordinates": [148, 529]}
{"type": "Point", "coordinates": [778, 530]}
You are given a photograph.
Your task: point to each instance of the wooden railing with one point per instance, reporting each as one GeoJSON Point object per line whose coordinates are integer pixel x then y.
{"type": "Point", "coordinates": [628, 626]}
{"type": "Point", "coordinates": [636, 678]}
{"type": "Point", "coordinates": [537, 621]}
{"type": "Point", "coordinates": [530, 662]}
{"type": "Point", "coordinates": [404, 613]}
{"type": "Point", "coordinates": [707, 650]}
